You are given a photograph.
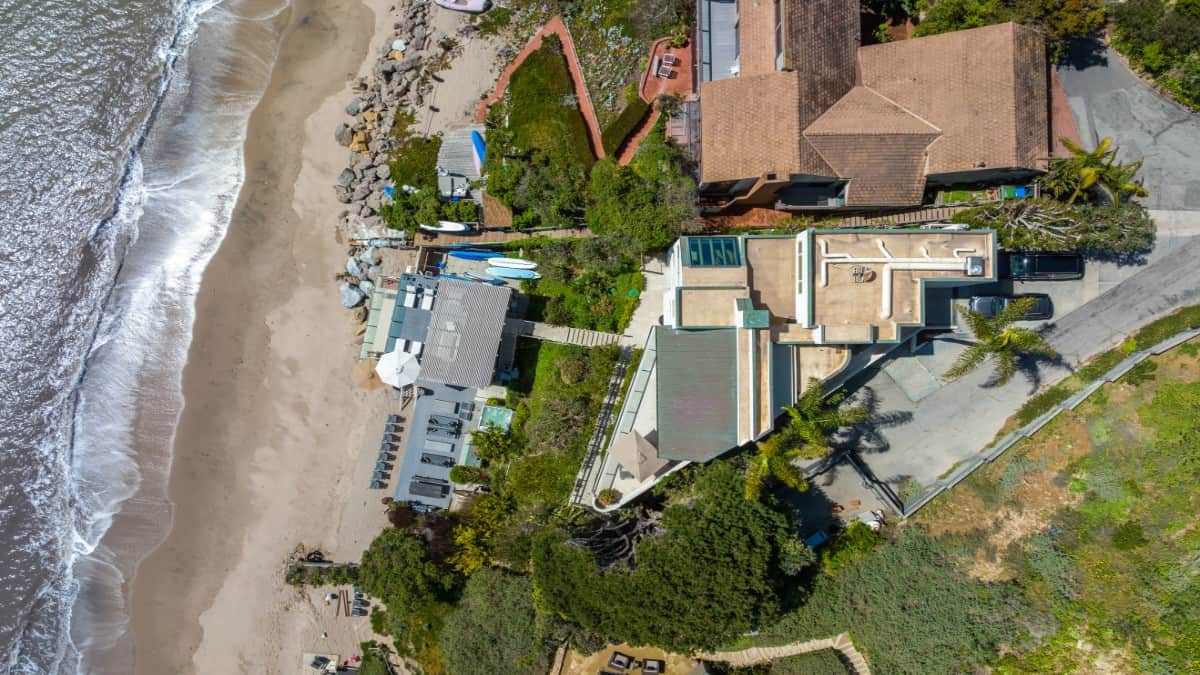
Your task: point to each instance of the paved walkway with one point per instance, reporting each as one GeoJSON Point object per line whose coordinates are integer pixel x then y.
{"type": "Point", "coordinates": [960, 418]}
{"type": "Point", "coordinates": [748, 657]}
{"type": "Point", "coordinates": [557, 27]}
{"type": "Point", "coordinates": [650, 303]}
{"type": "Point", "coordinates": [1109, 100]}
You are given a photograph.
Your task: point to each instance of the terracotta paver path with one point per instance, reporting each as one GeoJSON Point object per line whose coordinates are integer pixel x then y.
{"type": "Point", "coordinates": [557, 27]}
{"type": "Point", "coordinates": [652, 87]}
{"type": "Point", "coordinates": [625, 154]}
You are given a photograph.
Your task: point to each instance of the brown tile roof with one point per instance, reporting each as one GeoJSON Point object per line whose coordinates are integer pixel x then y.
{"type": "Point", "coordinates": [884, 169]}
{"type": "Point", "coordinates": [749, 126]}
{"type": "Point", "coordinates": [985, 88]}
{"type": "Point", "coordinates": [756, 37]}
{"type": "Point", "coordinates": [877, 144]}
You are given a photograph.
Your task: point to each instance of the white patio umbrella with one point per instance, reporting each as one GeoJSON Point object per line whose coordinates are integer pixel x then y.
{"type": "Point", "coordinates": [398, 369]}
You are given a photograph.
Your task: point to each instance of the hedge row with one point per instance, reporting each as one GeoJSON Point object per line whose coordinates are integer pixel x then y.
{"type": "Point", "coordinates": [626, 123]}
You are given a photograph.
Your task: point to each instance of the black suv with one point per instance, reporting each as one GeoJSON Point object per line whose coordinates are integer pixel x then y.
{"type": "Point", "coordinates": [991, 305]}
{"type": "Point", "coordinates": [1047, 266]}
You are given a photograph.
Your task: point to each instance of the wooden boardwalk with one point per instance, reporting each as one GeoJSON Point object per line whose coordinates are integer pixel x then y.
{"type": "Point", "coordinates": [566, 335]}
{"type": "Point", "coordinates": [495, 236]}
{"type": "Point", "coordinates": [755, 655]}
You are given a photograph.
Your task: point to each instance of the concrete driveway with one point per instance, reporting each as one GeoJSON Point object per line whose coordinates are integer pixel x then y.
{"type": "Point", "coordinates": [939, 424]}
{"type": "Point", "coordinates": [1109, 100]}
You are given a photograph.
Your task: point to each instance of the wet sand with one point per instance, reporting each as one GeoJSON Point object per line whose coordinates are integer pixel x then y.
{"type": "Point", "coordinates": [271, 437]}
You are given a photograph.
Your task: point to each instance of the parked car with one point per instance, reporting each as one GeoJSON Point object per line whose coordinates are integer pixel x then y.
{"type": "Point", "coordinates": [991, 305]}
{"type": "Point", "coordinates": [1047, 266]}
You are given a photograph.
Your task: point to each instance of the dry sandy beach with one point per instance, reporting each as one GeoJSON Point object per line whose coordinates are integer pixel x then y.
{"type": "Point", "coordinates": [275, 444]}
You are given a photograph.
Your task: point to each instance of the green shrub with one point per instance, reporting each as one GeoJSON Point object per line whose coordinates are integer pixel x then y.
{"type": "Point", "coordinates": [1128, 536]}
{"type": "Point", "coordinates": [857, 542]}
{"type": "Point", "coordinates": [494, 628]}
{"type": "Point", "coordinates": [464, 475]}
{"type": "Point", "coordinates": [912, 593]}
{"type": "Point", "coordinates": [823, 662]}
{"type": "Point", "coordinates": [1052, 565]}
{"type": "Point", "coordinates": [625, 124]}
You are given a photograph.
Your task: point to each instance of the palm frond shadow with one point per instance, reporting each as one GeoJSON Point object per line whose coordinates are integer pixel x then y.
{"type": "Point", "coordinates": [868, 437]}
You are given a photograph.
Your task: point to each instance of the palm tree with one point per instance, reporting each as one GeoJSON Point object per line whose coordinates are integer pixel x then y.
{"type": "Point", "coordinates": [1097, 168]}
{"type": "Point", "coordinates": [805, 436]}
{"type": "Point", "coordinates": [997, 339]}
{"type": "Point", "coordinates": [772, 459]}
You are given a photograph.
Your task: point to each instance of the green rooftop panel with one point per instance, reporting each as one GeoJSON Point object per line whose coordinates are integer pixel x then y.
{"type": "Point", "coordinates": [713, 252]}
{"type": "Point", "coordinates": [697, 393]}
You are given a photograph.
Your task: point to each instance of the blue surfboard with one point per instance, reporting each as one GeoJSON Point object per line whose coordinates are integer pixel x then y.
{"type": "Point", "coordinates": [510, 273]}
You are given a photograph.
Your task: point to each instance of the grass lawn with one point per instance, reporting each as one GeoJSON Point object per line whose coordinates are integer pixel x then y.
{"type": "Point", "coordinates": [537, 115]}
{"type": "Point", "coordinates": [592, 300]}
{"type": "Point", "coordinates": [1093, 518]}
{"type": "Point", "coordinates": [414, 162]}
{"type": "Point", "coordinates": [557, 400]}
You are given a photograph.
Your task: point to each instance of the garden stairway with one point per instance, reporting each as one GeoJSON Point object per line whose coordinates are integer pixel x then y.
{"type": "Point", "coordinates": [566, 335]}
{"type": "Point", "coordinates": [755, 655]}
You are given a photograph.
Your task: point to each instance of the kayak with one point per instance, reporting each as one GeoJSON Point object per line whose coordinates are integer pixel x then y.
{"type": "Point", "coordinates": [511, 273]}
{"type": "Point", "coordinates": [446, 226]}
{"type": "Point", "coordinates": [472, 254]}
{"type": "Point", "coordinates": [513, 263]}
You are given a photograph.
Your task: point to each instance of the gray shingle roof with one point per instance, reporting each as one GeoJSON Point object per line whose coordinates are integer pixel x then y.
{"type": "Point", "coordinates": [697, 393]}
{"type": "Point", "coordinates": [464, 333]}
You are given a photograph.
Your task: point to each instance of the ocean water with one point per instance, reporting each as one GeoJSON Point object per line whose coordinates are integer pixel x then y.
{"type": "Point", "coordinates": [121, 132]}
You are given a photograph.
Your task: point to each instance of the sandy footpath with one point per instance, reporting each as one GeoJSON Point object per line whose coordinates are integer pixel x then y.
{"type": "Point", "coordinates": [273, 432]}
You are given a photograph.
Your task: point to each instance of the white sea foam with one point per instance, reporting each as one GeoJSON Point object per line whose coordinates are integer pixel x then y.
{"type": "Point", "coordinates": [131, 396]}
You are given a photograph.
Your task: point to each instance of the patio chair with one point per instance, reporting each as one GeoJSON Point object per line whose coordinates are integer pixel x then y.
{"type": "Point", "coordinates": [670, 59]}
{"type": "Point", "coordinates": [653, 666]}
{"type": "Point", "coordinates": [619, 661]}
{"type": "Point", "coordinates": [664, 71]}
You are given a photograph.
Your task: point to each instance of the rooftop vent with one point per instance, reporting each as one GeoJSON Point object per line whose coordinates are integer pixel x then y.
{"type": "Point", "coordinates": [975, 265]}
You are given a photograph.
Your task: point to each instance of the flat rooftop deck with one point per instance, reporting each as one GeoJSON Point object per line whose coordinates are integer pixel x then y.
{"type": "Point", "coordinates": [874, 278]}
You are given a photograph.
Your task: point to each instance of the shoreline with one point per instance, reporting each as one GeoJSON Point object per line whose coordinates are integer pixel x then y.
{"type": "Point", "coordinates": [262, 452]}
{"type": "Point", "coordinates": [268, 459]}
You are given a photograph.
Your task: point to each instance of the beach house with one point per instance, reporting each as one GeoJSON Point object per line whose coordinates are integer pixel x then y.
{"type": "Point", "coordinates": [795, 115]}
{"type": "Point", "coordinates": [443, 335]}
{"type": "Point", "coordinates": [749, 322]}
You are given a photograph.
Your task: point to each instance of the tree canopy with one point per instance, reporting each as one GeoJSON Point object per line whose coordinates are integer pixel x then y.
{"type": "Point", "coordinates": [494, 628]}
{"type": "Point", "coordinates": [1059, 20]}
{"type": "Point", "coordinates": [1048, 225]}
{"type": "Point", "coordinates": [713, 574]}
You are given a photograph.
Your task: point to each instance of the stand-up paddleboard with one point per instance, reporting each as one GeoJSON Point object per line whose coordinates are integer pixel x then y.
{"type": "Point", "coordinates": [513, 263]}
{"type": "Point", "coordinates": [479, 151]}
{"type": "Point", "coordinates": [446, 226]}
{"type": "Point", "coordinates": [484, 278]}
{"type": "Point", "coordinates": [511, 273]}
{"type": "Point", "coordinates": [469, 254]}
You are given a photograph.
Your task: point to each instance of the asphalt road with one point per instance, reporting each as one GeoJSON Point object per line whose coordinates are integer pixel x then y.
{"type": "Point", "coordinates": [958, 419]}
{"type": "Point", "coordinates": [1109, 100]}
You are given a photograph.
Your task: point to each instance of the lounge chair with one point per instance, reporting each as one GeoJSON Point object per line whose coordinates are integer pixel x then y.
{"type": "Point", "coordinates": [653, 666]}
{"type": "Point", "coordinates": [619, 661]}
{"type": "Point", "coordinates": [670, 59]}
{"type": "Point", "coordinates": [377, 485]}
{"type": "Point", "coordinates": [664, 71]}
